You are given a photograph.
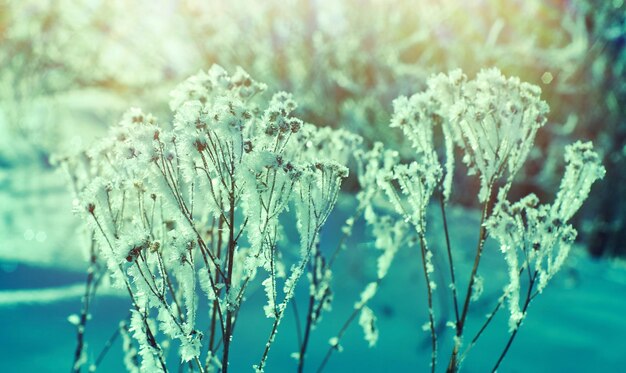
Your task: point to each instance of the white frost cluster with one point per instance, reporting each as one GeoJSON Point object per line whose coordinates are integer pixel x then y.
{"type": "Point", "coordinates": [494, 120]}
{"type": "Point", "coordinates": [367, 320]}
{"type": "Point", "coordinates": [582, 169]}
{"type": "Point", "coordinates": [197, 204]}
{"type": "Point", "coordinates": [536, 237]}
{"type": "Point", "coordinates": [185, 215]}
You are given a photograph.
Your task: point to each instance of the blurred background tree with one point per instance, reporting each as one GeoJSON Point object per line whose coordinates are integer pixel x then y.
{"type": "Point", "coordinates": [70, 69]}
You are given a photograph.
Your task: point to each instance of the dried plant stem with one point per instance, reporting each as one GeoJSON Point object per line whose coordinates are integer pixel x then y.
{"type": "Point", "coordinates": [313, 231]}
{"type": "Point", "coordinates": [149, 335]}
{"type": "Point", "coordinates": [220, 225]}
{"type": "Point", "coordinates": [429, 291]}
{"type": "Point", "coordinates": [529, 298]}
{"type": "Point", "coordinates": [90, 289]}
{"type": "Point", "coordinates": [230, 258]}
{"type": "Point", "coordinates": [342, 331]}
{"type": "Point", "coordinates": [307, 333]}
{"type": "Point", "coordinates": [313, 311]}
{"type": "Point", "coordinates": [311, 316]}
{"type": "Point", "coordinates": [161, 298]}
{"type": "Point", "coordinates": [296, 314]}
{"type": "Point", "coordinates": [450, 260]}
{"type": "Point", "coordinates": [107, 347]}
{"type": "Point", "coordinates": [490, 318]}
{"type": "Point", "coordinates": [482, 236]}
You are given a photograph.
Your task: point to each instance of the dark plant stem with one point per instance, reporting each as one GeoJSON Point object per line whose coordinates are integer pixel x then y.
{"type": "Point", "coordinates": [296, 316]}
{"type": "Point", "coordinates": [450, 260]}
{"type": "Point", "coordinates": [216, 301]}
{"type": "Point", "coordinates": [489, 319]}
{"type": "Point", "coordinates": [309, 322]}
{"type": "Point", "coordinates": [342, 331]}
{"type": "Point", "coordinates": [339, 336]}
{"type": "Point", "coordinates": [149, 334]}
{"type": "Point", "coordinates": [231, 258]}
{"type": "Point", "coordinates": [529, 297]}
{"type": "Point", "coordinates": [90, 287]}
{"type": "Point", "coordinates": [107, 347]}
{"type": "Point", "coordinates": [431, 316]}
{"type": "Point", "coordinates": [453, 364]}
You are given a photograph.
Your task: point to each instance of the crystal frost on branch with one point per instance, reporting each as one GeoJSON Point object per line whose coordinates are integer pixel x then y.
{"type": "Point", "coordinates": [185, 215]}
{"type": "Point", "coordinates": [537, 237]}
{"type": "Point", "coordinates": [493, 120]}
{"type": "Point", "coordinates": [196, 205]}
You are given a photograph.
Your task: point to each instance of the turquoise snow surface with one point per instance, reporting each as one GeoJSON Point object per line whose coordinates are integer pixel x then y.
{"type": "Point", "coordinates": [577, 325]}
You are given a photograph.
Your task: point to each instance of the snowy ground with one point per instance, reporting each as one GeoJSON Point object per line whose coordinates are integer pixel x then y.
{"type": "Point", "coordinates": [577, 325]}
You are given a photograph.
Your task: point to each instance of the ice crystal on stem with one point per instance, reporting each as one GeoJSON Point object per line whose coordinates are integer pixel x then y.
{"type": "Point", "coordinates": [185, 215]}
{"type": "Point", "coordinates": [537, 238]}
{"type": "Point", "coordinates": [415, 184]}
{"type": "Point", "coordinates": [197, 205]}
{"type": "Point", "coordinates": [494, 120]}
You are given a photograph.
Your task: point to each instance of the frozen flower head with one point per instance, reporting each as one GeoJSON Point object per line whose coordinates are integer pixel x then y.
{"type": "Point", "coordinates": [189, 114]}
{"type": "Point", "coordinates": [136, 117]}
{"type": "Point", "coordinates": [415, 117]}
{"type": "Point", "coordinates": [537, 236]}
{"type": "Point", "coordinates": [244, 85]}
{"type": "Point", "coordinates": [531, 238]}
{"type": "Point", "coordinates": [133, 144]}
{"type": "Point", "coordinates": [494, 119]}
{"type": "Point", "coordinates": [327, 143]}
{"type": "Point", "coordinates": [228, 114]}
{"type": "Point", "coordinates": [204, 87]}
{"type": "Point", "coordinates": [447, 87]}
{"type": "Point", "coordinates": [582, 169]}
{"type": "Point", "coordinates": [196, 88]}
{"type": "Point", "coordinates": [373, 162]}
{"type": "Point", "coordinates": [318, 190]}
{"type": "Point", "coordinates": [418, 115]}
{"type": "Point", "coordinates": [416, 182]}
{"type": "Point", "coordinates": [277, 119]}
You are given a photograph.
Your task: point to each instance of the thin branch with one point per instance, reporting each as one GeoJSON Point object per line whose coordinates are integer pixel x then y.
{"type": "Point", "coordinates": [450, 260]}
{"type": "Point", "coordinates": [529, 297]}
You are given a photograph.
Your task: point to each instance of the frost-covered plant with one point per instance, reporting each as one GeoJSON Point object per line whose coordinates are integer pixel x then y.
{"type": "Point", "coordinates": [535, 238]}
{"type": "Point", "coordinates": [493, 120]}
{"type": "Point", "coordinates": [170, 193]}
{"type": "Point", "coordinates": [388, 236]}
{"type": "Point", "coordinates": [190, 214]}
